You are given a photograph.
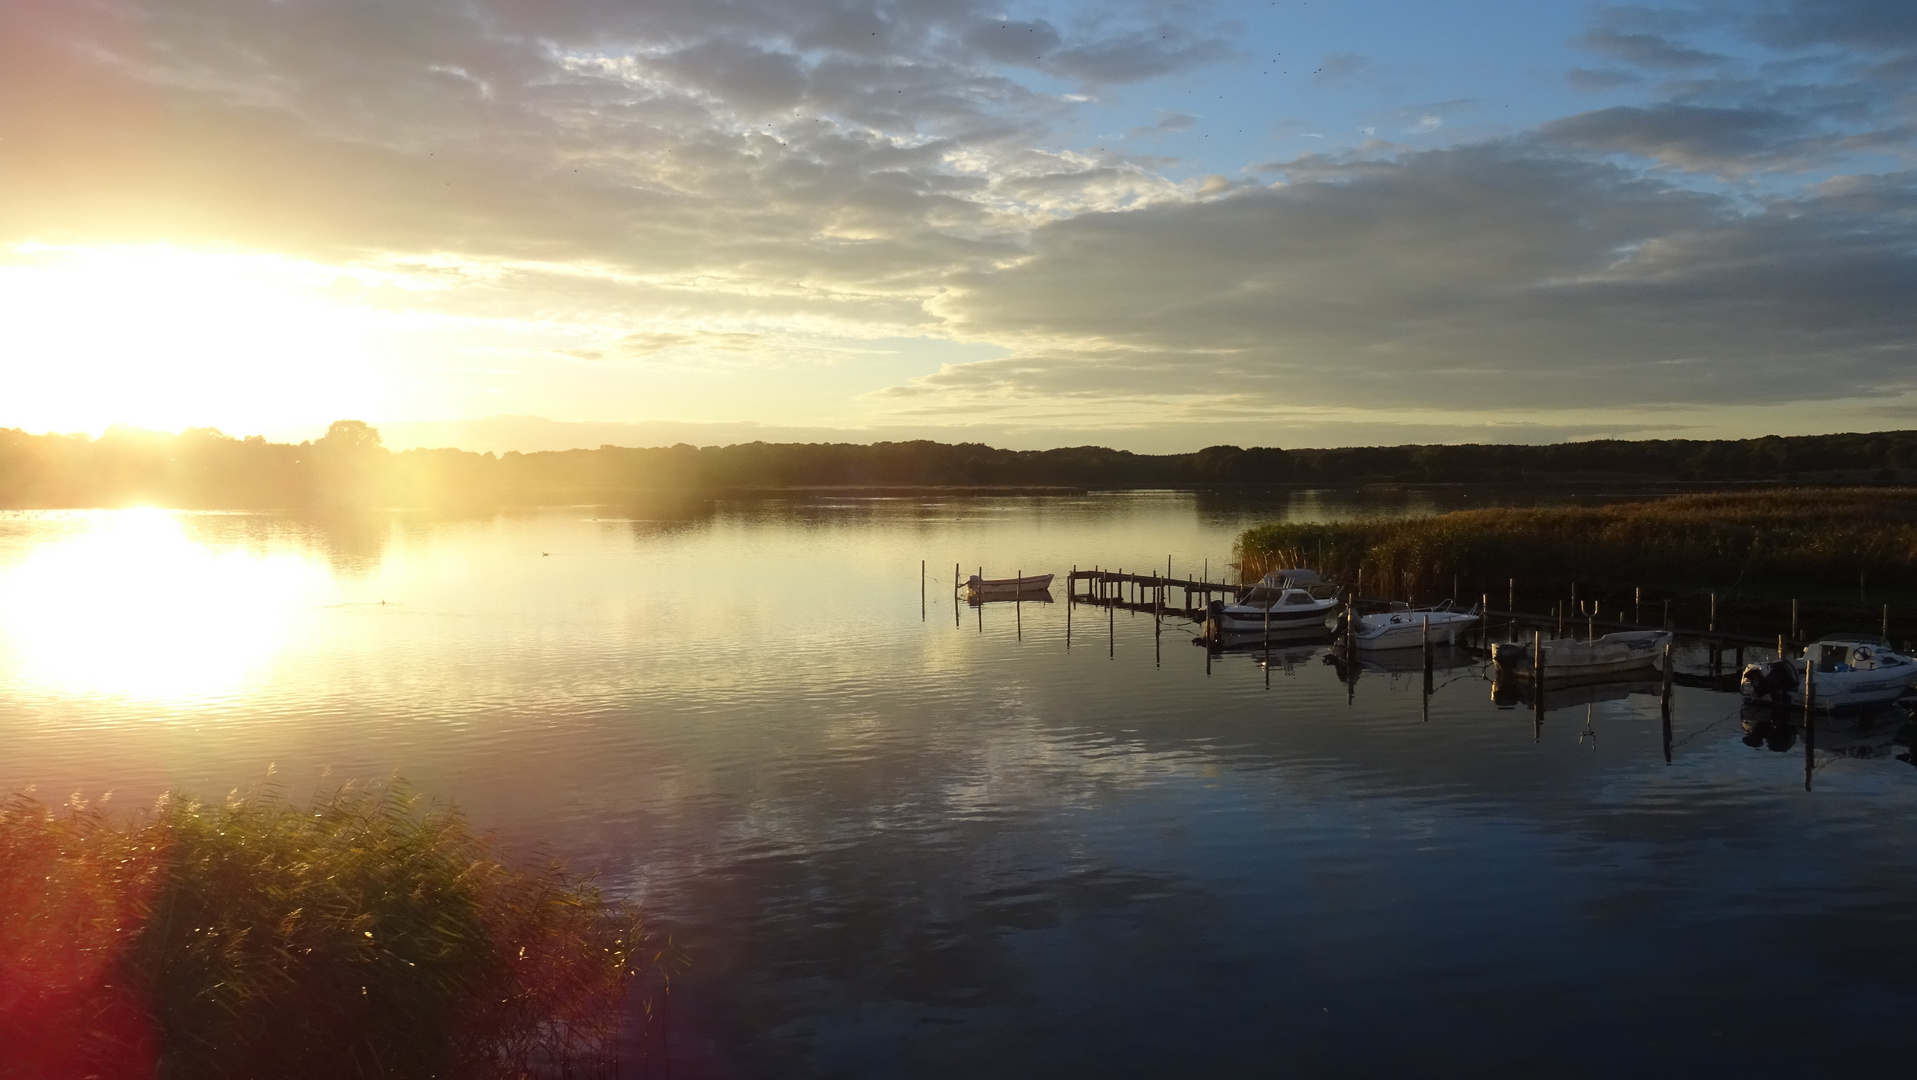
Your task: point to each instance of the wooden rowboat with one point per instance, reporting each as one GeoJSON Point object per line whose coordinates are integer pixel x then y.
{"type": "Point", "coordinates": [978, 587]}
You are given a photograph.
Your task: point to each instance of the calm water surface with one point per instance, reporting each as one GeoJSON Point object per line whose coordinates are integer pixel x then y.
{"type": "Point", "coordinates": [896, 846]}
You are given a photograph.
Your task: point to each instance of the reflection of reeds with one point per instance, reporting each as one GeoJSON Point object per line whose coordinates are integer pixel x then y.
{"type": "Point", "coordinates": [354, 937]}
{"type": "Point", "coordinates": [1752, 542]}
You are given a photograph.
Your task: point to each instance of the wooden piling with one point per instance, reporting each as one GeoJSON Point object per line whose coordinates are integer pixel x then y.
{"type": "Point", "coordinates": [1664, 702]}
{"type": "Point", "coordinates": [1713, 624]}
{"type": "Point", "coordinates": [1794, 631]}
{"type": "Point", "coordinates": [1424, 639]}
{"type": "Point", "coordinates": [1537, 682]}
{"type": "Point", "coordinates": [1018, 606]}
{"type": "Point", "coordinates": [921, 590]}
{"type": "Point", "coordinates": [1810, 717]}
{"type": "Point", "coordinates": [1637, 604]}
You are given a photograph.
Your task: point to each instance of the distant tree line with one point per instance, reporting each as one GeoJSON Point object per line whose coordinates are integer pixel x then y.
{"type": "Point", "coordinates": [202, 467]}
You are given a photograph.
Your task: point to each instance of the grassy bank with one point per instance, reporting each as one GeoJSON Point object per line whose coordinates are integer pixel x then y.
{"type": "Point", "coordinates": [355, 937]}
{"type": "Point", "coordinates": [1756, 550]}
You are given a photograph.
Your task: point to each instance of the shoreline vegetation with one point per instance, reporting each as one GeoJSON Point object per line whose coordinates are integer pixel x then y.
{"type": "Point", "coordinates": [1841, 552]}
{"type": "Point", "coordinates": [356, 936]}
{"type": "Point", "coordinates": [202, 468]}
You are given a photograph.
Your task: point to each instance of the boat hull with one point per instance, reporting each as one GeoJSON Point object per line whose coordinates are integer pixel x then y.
{"type": "Point", "coordinates": [995, 588]}
{"type": "Point", "coordinates": [1254, 622]}
{"type": "Point", "coordinates": [1406, 630]}
{"type": "Point", "coordinates": [1568, 659]}
{"type": "Point", "coordinates": [1841, 689]}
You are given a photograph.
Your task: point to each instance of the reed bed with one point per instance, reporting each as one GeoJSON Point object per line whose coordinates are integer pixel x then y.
{"type": "Point", "coordinates": [358, 936]}
{"type": "Point", "coordinates": [1764, 545]}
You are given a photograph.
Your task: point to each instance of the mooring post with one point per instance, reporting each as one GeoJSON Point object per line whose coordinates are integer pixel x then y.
{"type": "Point", "coordinates": [921, 590]}
{"type": "Point", "coordinates": [1886, 627]}
{"type": "Point", "coordinates": [1637, 604]}
{"type": "Point", "coordinates": [1794, 632]}
{"type": "Point", "coordinates": [1018, 604]}
{"type": "Point", "coordinates": [1667, 615]}
{"type": "Point", "coordinates": [1111, 630]}
{"type": "Point", "coordinates": [1810, 717]}
{"type": "Point", "coordinates": [1537, 684]}
{"type": "Point", "coordinates": [1664, 704]}
{"type": "Point", "coordinates": [1071, 601]}
{"type": "Point", "coordinates": [1424, 639]}
{"type": "Point", "coordinates": [1713, 613]}
{"type": "Point", "coordinates": [1780, 646]}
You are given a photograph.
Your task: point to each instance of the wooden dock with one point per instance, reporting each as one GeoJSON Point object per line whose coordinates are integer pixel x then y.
{"type": "Point", "coordinates": [1146, 590]}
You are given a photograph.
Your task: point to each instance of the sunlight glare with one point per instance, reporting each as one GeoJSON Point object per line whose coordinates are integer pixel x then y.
{"type": "Point", "coordinates": [133, 608]}
{"type": "Point", "coordinates": [162, 337]}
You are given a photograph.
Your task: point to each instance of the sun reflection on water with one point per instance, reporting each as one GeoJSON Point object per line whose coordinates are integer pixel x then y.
{"type": "Point", "coordinates": [133, 607]}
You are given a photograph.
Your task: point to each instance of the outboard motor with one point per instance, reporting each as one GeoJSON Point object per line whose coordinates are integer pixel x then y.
{"type": "Point", "coordinates": [1774, 680]}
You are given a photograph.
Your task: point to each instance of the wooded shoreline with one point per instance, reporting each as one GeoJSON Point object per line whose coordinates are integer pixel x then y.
{"type": "Point", "coordinates": [205, 469]}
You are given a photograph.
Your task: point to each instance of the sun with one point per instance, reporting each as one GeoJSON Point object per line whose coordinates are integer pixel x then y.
{"type": "Point", "coordinates": [166, 337]}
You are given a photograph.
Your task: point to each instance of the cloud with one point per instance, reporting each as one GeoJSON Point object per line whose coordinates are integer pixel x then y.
{"type": "Point", "coordinates": [1601, 78]}
{"type": "Point", "coordinates": [689, 179]}
{"type": "Point", "coordinates": [1338, 67]}
{"type": "Point", "coordinates": [1690, 137]}
{"type": "Point", "coordinates": [1872, 25]}
{"type": "Point", "coordinates": [1168, 122]}
{"type": "Point", "coordinates": [1646, 50]}
{"type": "Point", "coordinates": [1451, 279]}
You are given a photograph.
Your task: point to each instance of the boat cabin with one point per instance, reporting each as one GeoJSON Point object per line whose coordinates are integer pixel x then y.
{"type": "Point", "coordinates": [1852, 652]}
{"type": "Point", "coordinates": [1288, 588]}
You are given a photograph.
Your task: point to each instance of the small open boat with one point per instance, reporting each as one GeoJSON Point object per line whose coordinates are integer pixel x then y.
{"type": "Point", "coordinates": [1569, 658]}
{"type": "Point", "coordinates": [1406, 627]}
{"type": "Point", "coordinates": [982, 588]}
{"type": "Point", "coordinates": [1849, 670]}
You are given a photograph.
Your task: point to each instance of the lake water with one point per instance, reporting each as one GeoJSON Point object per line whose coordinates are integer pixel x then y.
{"type": "Point", "coordinates": [896, 846]}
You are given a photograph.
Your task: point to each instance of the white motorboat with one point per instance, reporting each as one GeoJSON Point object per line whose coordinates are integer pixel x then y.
{"type": "Point", "coordinates": [1569, 658]}
{"type": "Point", "coordinates": [1282, 599]}
{"type": "Point", "coordinates": [1847, 670]}
{"type": "Point", "coordinates": [1406, 627]}
{"type": "Point", "coordinates": [983, 588]}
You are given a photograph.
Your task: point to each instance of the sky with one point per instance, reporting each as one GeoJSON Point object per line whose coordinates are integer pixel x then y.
{"type": "Point", "coordinates": [531, 224]}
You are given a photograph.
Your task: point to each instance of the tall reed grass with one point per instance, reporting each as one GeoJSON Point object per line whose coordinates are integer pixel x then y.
{"type": "Point", "coordinates": [1771, 543]}
{"type": "Point", "coordinates": [356, 937]}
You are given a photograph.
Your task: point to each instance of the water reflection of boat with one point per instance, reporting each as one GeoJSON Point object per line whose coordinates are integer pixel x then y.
{"type": "Point", "coordinates": [1042, 596]}
{"type": "Point", "coordinates": [1507, 692]}
{"type": "Point", "coordinates": [1568, 659]}
{"type": "Point", "coordinates": [1281, 599]}
{"type": "Point", "coordinates": [1290, 637]}
{"type": "Point", "coordinates": [1444, 659]}
{"type": "Point", "coordinates": [1869, 733]}
{"type": "Point", "coordinates": [1406, 627]}
{"type": "Point", "coordinates": [1849, 670]}
{"type": "Point", "coordinates": [1012, 588]}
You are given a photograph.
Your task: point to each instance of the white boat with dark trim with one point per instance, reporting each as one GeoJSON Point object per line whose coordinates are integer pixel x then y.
{"type": "Point", "coordinates": [1569, 658]}
{"type": "Point", "coordinates": [1287, 598]}
{"type": "Point", "coordinates": [1406, 627]}
{"type": "Point", "coordinates": [983, 588]}
{"type": "Point", "coordinates": [1847, 670]}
